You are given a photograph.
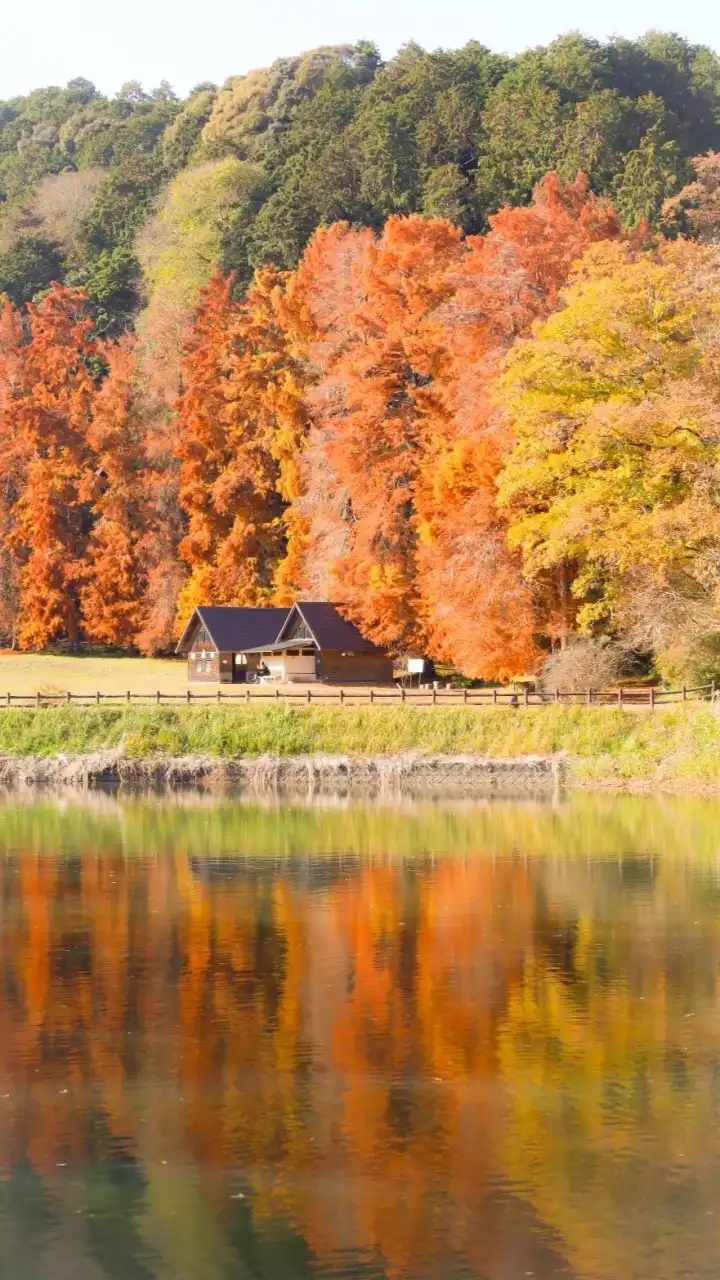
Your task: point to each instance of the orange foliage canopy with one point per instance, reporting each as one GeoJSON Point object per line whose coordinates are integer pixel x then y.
{"type": "Point", "coordinates": [47, 403]}
{"type": "Point", "coordinates": [480, 614]}
{"type": "Point", "coordinates": [406, 333]}
{"type": "Point", "coordinates": [241, 420]}
{"type": "Point", "coordinates": [379, 363]}
{"type": "Point", "coordinates": [337, 432]}
{"type": "Point", "coordinates": [13, 468]}
{"type": "Point", "coordinates": [112, 594]}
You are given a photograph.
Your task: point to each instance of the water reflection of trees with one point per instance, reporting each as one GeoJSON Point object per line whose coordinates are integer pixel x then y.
{"type": "Point", "coordinates": [370, 1055]}
{"type": "Point", "coordinates": [610, 1049]}
{"type": "Point", "coordinates": [332, 1046]}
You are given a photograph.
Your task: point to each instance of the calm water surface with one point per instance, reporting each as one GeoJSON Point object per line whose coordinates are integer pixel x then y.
{"type": "Point", "coordinates": [428, 1043]}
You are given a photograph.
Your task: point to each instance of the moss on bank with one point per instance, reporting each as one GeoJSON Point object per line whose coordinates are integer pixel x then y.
{"type": "Point", "coordinates": [673, 746]}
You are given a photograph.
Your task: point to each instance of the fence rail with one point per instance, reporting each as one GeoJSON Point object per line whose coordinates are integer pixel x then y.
{"type": "Point", "coordinates": [350, 697]}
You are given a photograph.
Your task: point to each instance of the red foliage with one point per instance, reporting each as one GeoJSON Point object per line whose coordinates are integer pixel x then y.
{"type": "Point", "coordinates": [336, 432]}
{"type": "Point", "coordinates": [480, 614]}
{"type": "Point", "coordinates": [241, 422]}
{"type": "Point", "coordinates": [379, 361]}
{"type": "Point", "coordinates": [112, 595]}
{"type": "Point", "coordinates": [50, 406]}
{"type": "Point", "coordinates": [406, 333]}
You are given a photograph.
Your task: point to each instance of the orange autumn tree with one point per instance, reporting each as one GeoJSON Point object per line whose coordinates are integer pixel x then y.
{"type": "Point", "coordinates": [112, 594]}
{"type": "Point", "coordinates": [481, 615]}
{"type": "Point", "coordinates": [241, 423]}
{"type": "Point", "coordinates": [377, 373]}
{"type": "Point", "coordinates": [163, 520]}
{"type": "Point", "coordinates": [49, 407]}
{"type": "Point", "coordinates": [322, 293]}
{"type": "Point", "coordinates": [406, 333]}
{"type": "Point", "coordinates": [12, 470]}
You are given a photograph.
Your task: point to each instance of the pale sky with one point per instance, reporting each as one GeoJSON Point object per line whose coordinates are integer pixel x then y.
{"type": "Point", "coordinates": [186, 41]}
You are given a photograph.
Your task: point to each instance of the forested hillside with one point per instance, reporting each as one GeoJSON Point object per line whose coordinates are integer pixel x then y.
{"type": "Point", "coordinates": [436, 337]}
{"type": "Point", "coordinates": [143, 193]}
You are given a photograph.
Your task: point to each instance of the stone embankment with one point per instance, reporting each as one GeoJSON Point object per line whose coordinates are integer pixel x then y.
{"type": "Point", "coordinates": [407, 773]}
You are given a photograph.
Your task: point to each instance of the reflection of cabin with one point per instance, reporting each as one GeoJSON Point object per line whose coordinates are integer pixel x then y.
{"type": "Point", "coordinates": [311, 641]}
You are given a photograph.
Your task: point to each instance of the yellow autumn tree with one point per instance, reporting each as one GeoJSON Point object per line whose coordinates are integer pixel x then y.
{"type": "Point", "coordinates": [615, 413]}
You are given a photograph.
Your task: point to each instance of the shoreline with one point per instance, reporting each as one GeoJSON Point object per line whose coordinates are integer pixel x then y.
{"type": "Point", "coordinates": [408, 773]}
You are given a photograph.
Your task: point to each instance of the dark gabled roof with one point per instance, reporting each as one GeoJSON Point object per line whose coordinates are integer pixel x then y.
{"type": "Point", "coordinates": [233, 630]}
{"type": "Point", "coordinates": [237, 630]}
{"type": "Point", "coordinates": [329, 628]}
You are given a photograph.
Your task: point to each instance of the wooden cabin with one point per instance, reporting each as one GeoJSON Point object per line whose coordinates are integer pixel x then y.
{"type": "Point", "coordinates": [315, 642]}
{"type": "Point", "coordinates": [309, 642]}
{"type": "Point", "coordinates": [216, 639]}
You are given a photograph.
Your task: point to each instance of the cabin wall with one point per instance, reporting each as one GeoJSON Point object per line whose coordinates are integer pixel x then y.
{"type": "Point", "coordinates": [294, 667]}
{"type": "Point", "coordinates": [203, 666]}
{"type": "Point", "coordinates": [226, 668]}
{"type": "Point", "coordinates": [300, 668]}
{"type": "Point", "coordinates": [355, 668]}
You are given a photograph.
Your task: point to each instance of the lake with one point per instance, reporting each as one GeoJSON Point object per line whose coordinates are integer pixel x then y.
{"type": "Point", "coordinates": [421, 1042]}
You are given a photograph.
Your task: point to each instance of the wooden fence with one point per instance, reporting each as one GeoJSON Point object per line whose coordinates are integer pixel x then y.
{"type": "Point", "coordinates": [348, 697]}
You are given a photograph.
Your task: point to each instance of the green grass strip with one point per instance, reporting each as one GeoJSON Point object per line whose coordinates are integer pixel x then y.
{"type": "Point", "coordinates": [675, 744]}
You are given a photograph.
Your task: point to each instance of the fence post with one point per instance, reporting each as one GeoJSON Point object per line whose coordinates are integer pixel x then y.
{"type": "Point", "coordinates": [588, 697]}
{"type": "Point", "coordinates": [219, 695]}
{"type": "Point", "coordinates": [526, 698]}
{"type": "Point", "coordinates": [247, 693]}
{"type": "Point", "coordinates": [494, 697]}
{"type": "Point", "coordinates": [712, 691]}
{"type": "Point", "coordinates": [188, 696]}
{"type": "Point", "coordinates": [434, 695]}
{"type": "Point", "coordinates": [68, 695]}
{"type": "Point", "coordinates": [652, 696]}
{"type": "Point", "coordinates": [37, 699]}
{"type": "Point", "coordinates": [684, 694]}
{"type": "Point", "coordinates": [309, 694]}
{"type": "Point", "coordinates": [342, 694]}
{"type": "Point", "coordinates": [97, 697]}
{"type": "Point", "coordinates": [277, 693]}
{"type": "Point", "coordinates": [620, 696]}
{"type": "Point", "coordinates": [465, 696]}
{"type": "Point", "coordinates": [157, 696]}
{"type": "Point", "coordinates": [372, 695]}
{"type": "Point", "coordinates": [403, 694]}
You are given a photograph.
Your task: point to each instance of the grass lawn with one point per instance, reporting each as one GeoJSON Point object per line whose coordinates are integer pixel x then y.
{"type": "Point", "coordinates": [46, 673]}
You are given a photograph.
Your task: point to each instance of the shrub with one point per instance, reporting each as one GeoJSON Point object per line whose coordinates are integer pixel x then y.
{"type": "Point", "coordinates": [584, 664]}
{"type": "Point", "coordinates": [693, 664]}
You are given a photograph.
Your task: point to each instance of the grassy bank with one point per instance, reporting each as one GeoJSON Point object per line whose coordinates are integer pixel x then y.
{"type": "Point", "coordinates": [671, 747]}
